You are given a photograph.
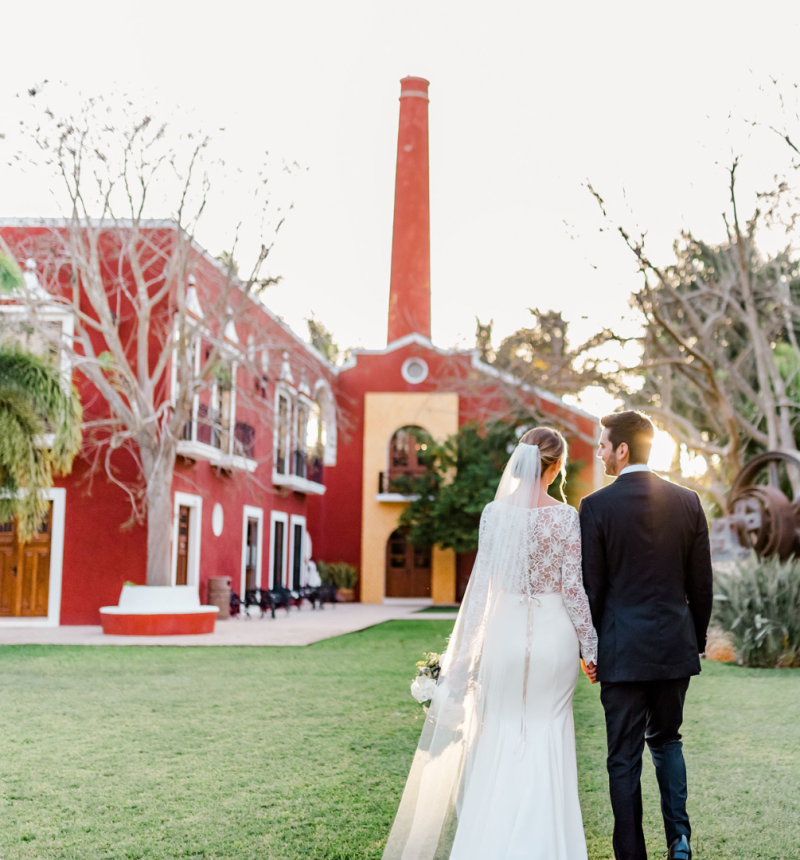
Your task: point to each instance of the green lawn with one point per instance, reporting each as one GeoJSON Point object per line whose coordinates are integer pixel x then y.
{"type": "Point", "coordinates": [302, 752]}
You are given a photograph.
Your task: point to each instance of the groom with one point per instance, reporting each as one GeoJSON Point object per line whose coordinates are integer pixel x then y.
{"type": "Point", "coordinates": [647, 573]}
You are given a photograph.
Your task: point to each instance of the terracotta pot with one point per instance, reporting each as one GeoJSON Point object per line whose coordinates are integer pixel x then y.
{"type": "Point", "coordinates": [347, 595]}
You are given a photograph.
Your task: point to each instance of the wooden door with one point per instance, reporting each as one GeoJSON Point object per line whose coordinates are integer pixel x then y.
{"type": "Point", "coordinates": [182, 567]}
{"type": "Point", "coordinates": [277, 555]}
{"type": "Point", "coordinates": [25, 570]}
{"type": "Point", "coordinates": [251, 555]}
{"type": "Point", "coordinates": [297, 559]}
{"type": "Point", "coordinates": [9, 563]}
{"type": "Point", "coordinates": [408, 568]}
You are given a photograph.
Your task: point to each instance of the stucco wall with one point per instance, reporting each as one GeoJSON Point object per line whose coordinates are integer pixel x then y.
{"type": "Point", "coordinates": [383, 414]}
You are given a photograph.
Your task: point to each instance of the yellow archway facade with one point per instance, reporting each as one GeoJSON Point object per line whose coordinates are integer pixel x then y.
{"type": "Point", "coordinates": [385, 413]}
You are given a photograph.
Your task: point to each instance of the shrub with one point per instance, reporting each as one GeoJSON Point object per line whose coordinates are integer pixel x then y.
{"type": "Point", "coordinates": [758, 602]}
{"type": "Point", "coordinates": [323, 569]}
{"type": "Point", "coordinates": [338, 573]}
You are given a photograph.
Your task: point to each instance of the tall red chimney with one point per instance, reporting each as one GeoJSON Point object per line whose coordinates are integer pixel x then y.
{"type": "Point", "coordinates": [410, 289]}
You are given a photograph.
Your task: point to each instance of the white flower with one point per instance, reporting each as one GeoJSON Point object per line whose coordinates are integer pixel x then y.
{"type": "Point", "coordinates": [423, 688]}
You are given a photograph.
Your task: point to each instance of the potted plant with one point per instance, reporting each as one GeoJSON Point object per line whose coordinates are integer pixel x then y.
{"type": "Point", "coordinates": [342, 576]}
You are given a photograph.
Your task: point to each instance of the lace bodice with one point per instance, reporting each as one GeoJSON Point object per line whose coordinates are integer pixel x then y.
{"type": "Point", "coordinates": [551, 563]}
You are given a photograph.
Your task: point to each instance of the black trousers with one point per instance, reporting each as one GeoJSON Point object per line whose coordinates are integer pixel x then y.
{"type": "Point", "coordinates": [636, 712]}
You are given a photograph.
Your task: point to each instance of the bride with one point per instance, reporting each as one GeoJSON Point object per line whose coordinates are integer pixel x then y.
{"type": "Point", "coordinates": [495, 774]}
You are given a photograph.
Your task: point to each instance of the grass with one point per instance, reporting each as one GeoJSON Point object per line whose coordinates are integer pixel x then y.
{"type": "Point", "coordinates": [287, 753]}
{"type": "Point", "coordinates": [438, 608]}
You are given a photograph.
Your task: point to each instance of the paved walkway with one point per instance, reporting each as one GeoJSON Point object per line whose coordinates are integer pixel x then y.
{"type": "Point", "coordinates": [299, 627]}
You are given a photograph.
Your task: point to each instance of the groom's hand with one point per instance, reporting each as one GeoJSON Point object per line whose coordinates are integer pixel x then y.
{"type": "Point", "coordinates": [590, 670]}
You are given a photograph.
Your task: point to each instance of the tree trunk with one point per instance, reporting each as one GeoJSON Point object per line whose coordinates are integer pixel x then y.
{"type": "Point", "coordinates": [159, 468]}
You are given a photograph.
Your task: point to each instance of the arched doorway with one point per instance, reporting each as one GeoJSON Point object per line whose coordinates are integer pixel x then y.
{"type": "Point", "coordinates": [408, 568]}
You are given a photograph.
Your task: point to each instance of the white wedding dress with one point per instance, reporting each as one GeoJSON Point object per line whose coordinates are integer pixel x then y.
{"type": "Point", "coordinates": [521, 790]}
{"type": "Point", "coordinates": [495, 773]}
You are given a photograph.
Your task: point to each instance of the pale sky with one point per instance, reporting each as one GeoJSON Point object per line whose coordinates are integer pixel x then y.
{"type": "Point", "coordinates": [528, 101]}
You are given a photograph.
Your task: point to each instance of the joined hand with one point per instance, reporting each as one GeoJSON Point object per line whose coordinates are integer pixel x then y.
{"type": "Point", "coordinates": [590, 670]}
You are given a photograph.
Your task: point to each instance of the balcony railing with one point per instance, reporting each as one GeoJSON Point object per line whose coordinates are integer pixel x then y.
{"type": "Point", "coordinates": [314, 470]}
{"type": "Point", "coordinates": [245, 437]}
{"type": "Point", "coordinates": [395, 482]}
{"type": "Point", "coordinates": [207, 431]}
{"type": "Point", "coordinates": [307, 465]}
{"type": "Point", "coordinates": [300, 464]}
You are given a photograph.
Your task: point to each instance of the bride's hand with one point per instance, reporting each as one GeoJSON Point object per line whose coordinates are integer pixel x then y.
{"type": "Point", "coordinates": [590, 670]}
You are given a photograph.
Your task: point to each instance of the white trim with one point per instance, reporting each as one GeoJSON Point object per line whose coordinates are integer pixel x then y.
{"type": "Point", "coordinates": [195, 530]}
{"type": "Point", "coordinates": [282, 390]}
{"type": "Point", "coordinates": [323, 396]}
{"type": "Point", "coordinates": [58, 496]}
{"type": "Point", "coordinates": [278, 516]}
{"type": "Point", "coordinates": [394, 497]}
{"type": "Point", "coordinates": [508, 378]}
{"type": "Point", "coordinates": [204, 451]}
{"type": "Point", "coordinates": [297, 520]}
{"type": "Point", "coordinates": [407, 339]}
{"type": "Point", "coordinates": [415, 94]}
{"type": "Point", "coordinates": [251, 513]}
{"type": "Point", "coordinates": [476, 362]}
{"type": "Point", "coordinates": [48, 312]}
{"type": "Point", "coordinates": [408, 377]}
{"type": "Point", "coordinates": [298, 484]}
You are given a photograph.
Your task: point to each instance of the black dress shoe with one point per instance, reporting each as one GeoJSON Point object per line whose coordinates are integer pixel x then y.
{"type": "Point", "coordinates": [680, 849]}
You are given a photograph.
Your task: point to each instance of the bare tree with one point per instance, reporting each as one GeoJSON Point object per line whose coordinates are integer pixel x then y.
{"type": "Point", "coordinates": [720, 355]}
{"type": "Point", "coordinates": [142, 338]}
{"type": "Point", "coordinates": [541, 355]}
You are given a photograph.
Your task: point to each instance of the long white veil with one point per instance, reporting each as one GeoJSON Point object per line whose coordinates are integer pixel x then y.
{"type": "Point", "coordinates": [426, 820]}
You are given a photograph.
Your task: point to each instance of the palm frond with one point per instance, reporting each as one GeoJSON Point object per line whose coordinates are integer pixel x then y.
{"type": "Point", "coordinates": [42, 384]}
{"type": "Point", "coordinates": [25, 469]}
{"type": "Point", "coordinates": [33, 403]}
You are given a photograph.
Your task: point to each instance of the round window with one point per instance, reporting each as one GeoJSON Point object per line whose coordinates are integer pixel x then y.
{"type": "Point", "coordinates": [216, 520]}
{"type": "Point", "coordinates": [414, 370]}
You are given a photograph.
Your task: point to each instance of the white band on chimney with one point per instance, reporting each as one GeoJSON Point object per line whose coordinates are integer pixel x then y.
{"type": "Point", "coordinates": [416, 93]}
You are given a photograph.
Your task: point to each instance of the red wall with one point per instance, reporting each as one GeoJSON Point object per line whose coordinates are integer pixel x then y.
{"type": "Point", "coordinates": [99, 553]}
{"type": "Point", "coordinates": [481, 399]}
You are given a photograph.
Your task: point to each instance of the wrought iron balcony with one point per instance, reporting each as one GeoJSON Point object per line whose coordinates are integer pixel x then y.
{"type": "Point", "coordinates": [245, 437]}
{"type": "Point", "coordinates": [395, 484]}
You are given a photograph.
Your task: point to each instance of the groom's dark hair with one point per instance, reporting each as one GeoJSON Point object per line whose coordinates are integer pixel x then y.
{"type": "Point", "coordinates": [633, 428]}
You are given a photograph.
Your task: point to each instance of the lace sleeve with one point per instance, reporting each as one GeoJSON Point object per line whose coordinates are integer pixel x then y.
{"type": "Point", "coordinates": [574, 594]}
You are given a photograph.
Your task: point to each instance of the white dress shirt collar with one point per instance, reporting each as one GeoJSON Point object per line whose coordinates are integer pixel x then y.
{"type": "Point", "coordinates": [636, 467]}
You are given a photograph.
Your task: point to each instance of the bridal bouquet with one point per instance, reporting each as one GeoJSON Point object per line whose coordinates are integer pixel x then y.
{"type": "Point", "coordinates": [424, 684]}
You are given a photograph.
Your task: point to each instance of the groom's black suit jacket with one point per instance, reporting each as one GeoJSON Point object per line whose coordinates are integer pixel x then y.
{"type": "Point", "coordinates": [647, 573]}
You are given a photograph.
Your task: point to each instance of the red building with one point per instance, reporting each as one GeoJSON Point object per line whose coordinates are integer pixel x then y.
{"type": "Point", "coordinates": [265, 481]}
{"type": "Point", "coordinates": [242, 482]}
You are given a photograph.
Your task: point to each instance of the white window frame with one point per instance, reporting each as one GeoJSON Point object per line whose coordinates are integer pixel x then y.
{"type": "Point", "coordinates": [297, 520]}
{"type": "Point", "coordinates": [284, 391]}
{"type": "Point", "coordinates": [278, 516]}
{"type": "Point", "coordinates": [407, 364]}
{"type": "Point", "coordinates": [195, 502]}
{"type": "Point", "coordinates": [216, 401]}
{"type": "Point", "coordinates": [323, 396]}
{"type": "Point", "coordinates": [197, 341]}
{"type": "Point", "coordinates": [252, 513]}
{"type": "Point", "coordinates": [50, 314]}
{"type": "Point", "coordinates": [58, 496]}
{"type": "Point", "coordinates": [300, 444]}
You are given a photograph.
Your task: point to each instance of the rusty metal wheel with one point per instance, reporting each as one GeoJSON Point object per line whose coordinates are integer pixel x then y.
{"type": "Point", "coordinates": [764, 505]}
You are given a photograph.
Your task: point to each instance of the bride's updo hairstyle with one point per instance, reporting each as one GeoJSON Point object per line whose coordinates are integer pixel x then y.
{"type": "Point", "coordinates": [552, 448]}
